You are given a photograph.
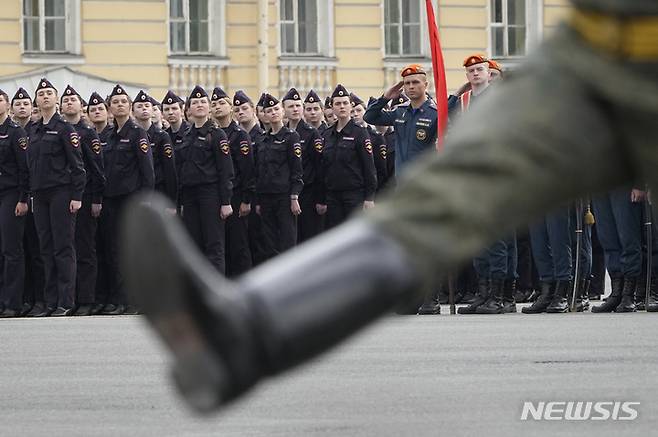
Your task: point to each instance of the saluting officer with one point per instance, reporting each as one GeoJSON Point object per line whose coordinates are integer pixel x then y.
{"type": "Point", "coordinates": [164, 165]}
{"type": "Point", "coordinates": [21, 107]}
{"type": "Point", "coordinates": [14, 189]}
{"type": "Point", "coordinates": [310, 222]}
{"type": "Point", "coordinates": [128, 169]}
{"type": "Point", "coordinates": [92, 198]}
{"type": "Point", "coordinates": [279, 180]}
{"type": "Point", "coordinates": [348, 167]}
{"type": "Point", "coordinates": [57, 179]}
{"type": "Point", "coordinates": [205, 171]}
{"type": "Point", "coordinates": [238, 255]}
{"type": "Point", "coordinates": [245, 113]}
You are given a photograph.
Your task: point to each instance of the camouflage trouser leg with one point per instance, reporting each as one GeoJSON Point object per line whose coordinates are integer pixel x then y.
{"type": "Point", "coordinates": [538, 140]}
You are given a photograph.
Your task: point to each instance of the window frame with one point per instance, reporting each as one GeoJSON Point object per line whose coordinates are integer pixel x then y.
{"type": "Point", "coordinates": [72, 43]}
{"type": "Point", "coordinates": [321, 46]}
{"type": "Point", "coordinates": [216, 30]}
{"type": "Point", "coordinates": [423, 48]}
{"type": "Point", "coordinates": [533, 28]}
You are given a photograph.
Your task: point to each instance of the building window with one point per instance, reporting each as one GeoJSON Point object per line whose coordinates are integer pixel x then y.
{"type": "Point", "coordinates": [509, 31]}
{"type": "Point", "coordinates": [402, 27]}
{"type": "Point", "coordinates": [45, 24]}
{"type": "Point", "coordinates": [299, 27]}
{"type": "Point", "coordinates": [189, 27]}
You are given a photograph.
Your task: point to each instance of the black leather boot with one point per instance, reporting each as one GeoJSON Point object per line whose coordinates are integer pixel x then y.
{"type": "Point", "coordinates": [494, 304]}
{"type": "Point", "coordinates": [227, 335]}
{"type": "Point", "coordinates": [582, 300]}
{"type": "Point", "coordinates": [543, 300]}
{"type": "Point", "coordinates": [652, 305]}
{"type": "Point", "coordinates": [560, 303]}
{"type": "Point", "coordinates": [627, 303]}
{"type": "Point", "coordinates": [613, 300]}
{"type": "Point", "coordinates": [509, 296]}
{"type": "Point", "coordinates": [480, 298]}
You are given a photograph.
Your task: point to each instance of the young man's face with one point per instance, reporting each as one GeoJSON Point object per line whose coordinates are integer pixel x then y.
{"type": "Point", "coordinates": [143, 111]}
{"type": "Point", "coordinates": [415, 86]}
{"type": "Point", "coordinates": [4, 106]}
{"type": "Point", "coordinates": [172, 113]}
{"type": "Point", "coordinates": [71, 105]}
{"type": "Point", "coordinates": [156, 116]}
{"type": "Point", "coordinates": [293, 109]}
{"type": "Point", "coordinates": [120, 106]}
{"type": "Point", "coordinates": [357, 114]}
{"type": "Point", "coordinates": [274, 114]}
{"type": "Point", "coordinates": [22, 108]}
{"type": "Point", "coordinates": [199, 107]}
{"type": "Point", "coordinates": [220, 108]}
{"type": "Point", "coordinates": [244, 113]}
{"type": "Point", "coordinates": [46, 98]}
{"type": "Point", "coordinates": [329, 115]}
{"type": "Point", "coordinates": [36, 114]}
{"type": "Point", "coordinates": [97, 113]}
{"type": "Point", "coordinates": [342, 107]}
{"type": "Point", "coordinates": [313, 113]}
{"type": "Point", "coordinates": [477, 74]}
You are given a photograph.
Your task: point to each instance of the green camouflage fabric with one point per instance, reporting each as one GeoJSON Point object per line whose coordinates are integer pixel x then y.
{"type": "Point", "coordinates": [571, 121]}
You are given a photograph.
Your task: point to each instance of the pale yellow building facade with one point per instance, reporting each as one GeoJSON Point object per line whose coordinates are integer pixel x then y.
{"type": "Point", "coordinates": [254, 44]}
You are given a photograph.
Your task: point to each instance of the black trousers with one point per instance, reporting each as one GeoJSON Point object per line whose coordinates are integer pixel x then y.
{"type": "Point", "coordinates": [238, 255]}
{"type": "Point", "coordinates": [201, 217]}
{"type": "Point", "coordinates": [109, 230]}
{"type": "Point", "coordinates": [310, 223]}
{"type": "Point", "coordinates": [55, 225]}
{"type": "Point", "coordinates": [34, 270]}
{"type": "Point", "coordinates": [85, 248]}
{"type": "Point", "coordinates": [257, 241]}
{"type": "Point", "coordinates": [279, 224]}
{"type": "Point", "coordinates": [11, 246]}
{"type": "Point", "coordinates": [340, 204]}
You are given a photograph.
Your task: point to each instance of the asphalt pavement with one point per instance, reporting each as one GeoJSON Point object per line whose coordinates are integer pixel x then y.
{"type": "Point", "coordinates": [404, 376]}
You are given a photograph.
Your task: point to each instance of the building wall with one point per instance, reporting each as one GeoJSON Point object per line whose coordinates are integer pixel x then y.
{"type": "Point", "coordinates": [127, 41]}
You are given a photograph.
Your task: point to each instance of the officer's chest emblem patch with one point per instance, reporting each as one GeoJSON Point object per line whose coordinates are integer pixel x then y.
{"type": "Point", "coordinates": [75, 140]}
{"type": "Point", "coordinates": [225, 148]}
{"type": "Point", "coordinates": [244, 147]}
{"type": "Point", "coordinates": [297, 150]}
{"type": "Point", "coordinates": [421, 134]}
{"type": "Point", "coordinates": [143, 145]}
{"type": "Point", "coordinates": [369, 146]}
{"type": "Point", "coordinates": [22, 143]}
{"type": "Point", "coordinates": [96, 146]}
{"type": "Point", "coordinates": [168, 151]}
{"type": "Point", "coordinates": [317, 144]}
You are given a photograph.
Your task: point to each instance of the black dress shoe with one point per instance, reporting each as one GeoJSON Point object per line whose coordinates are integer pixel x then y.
{"type": "Point", "coordinates": [36, 309]}
{"type": "Point", "coordinates": [84, 310]}
{"type": "Point", "coordinates": [45, 312]}
{"type": "Point", "coordinates": [97, 309]}
{"type": "Point", "coordinates": [62, 312]}
{"type": "Point", "coordinates": [9, 313]}
{"type": "Point", "coordinates": [27, 307]}
{"type": "Point", "coordinates": [131, 310]}
{"type": "Point", "coordinates": [113, 310]}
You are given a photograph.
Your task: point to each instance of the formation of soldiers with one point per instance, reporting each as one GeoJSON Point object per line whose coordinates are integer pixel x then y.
{"type": "Point", "coordinates": [252, 180]}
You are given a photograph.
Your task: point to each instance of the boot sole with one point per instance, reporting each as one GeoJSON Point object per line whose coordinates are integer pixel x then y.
{"type": "Point", "coordinates": [159, 264]}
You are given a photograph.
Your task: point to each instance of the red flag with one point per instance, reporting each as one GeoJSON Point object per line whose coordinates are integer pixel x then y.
{"type": "Point", "coordinates": [438, 68]}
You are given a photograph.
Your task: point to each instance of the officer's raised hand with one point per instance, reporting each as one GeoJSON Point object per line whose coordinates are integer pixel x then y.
{"type": "Point", "coordinates": [394, 91]}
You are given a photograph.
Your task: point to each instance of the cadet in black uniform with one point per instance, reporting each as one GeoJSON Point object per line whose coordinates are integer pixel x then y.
{"type": "Point", "coordinates": [245, 114]}
{"type": "Point", "coordinates": [14, 189]}
{"type": "Point", "coordinates": [205, 171]}
{"type": "Point", "coordinates": [98, 117]}
{"type": "Point", "coordinates": [128, 169]}
{"type": "Point", "coordinates": [164, 164]}
{"type": "Point", "coordinates": [310, 222]}
{"type": "Point", "coordinates": [172, 110]}
{"type": "Point", "coordinates": [348, 167]}
{"type": "Point", "coordinates": [87, 217]}
{"type": "Point", "coordinates": [238, 255]}
{"type": "Point", "coordinates": [313, 112]}
{"type": "Point", "coordinates": [379, 148]}
{"type": "Point", "coordinates": [279, 180]}
{"type": "Point", "coordinates": [21, 107]}
{"type": "Point", "coordinates": [57, 179]}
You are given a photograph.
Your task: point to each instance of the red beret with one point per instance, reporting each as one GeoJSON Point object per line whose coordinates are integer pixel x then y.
{"type": "Point", "coordinates": [475, 59]}
{"type": "Point", "coordinates": [412, 69]}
